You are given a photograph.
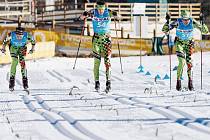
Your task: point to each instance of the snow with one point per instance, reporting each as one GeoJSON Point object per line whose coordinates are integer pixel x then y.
{"type": "Point", "coordinates": [63, 104]}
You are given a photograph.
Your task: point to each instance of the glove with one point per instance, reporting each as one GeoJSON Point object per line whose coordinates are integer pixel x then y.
{"type": "Point", "coordinates": [204, 29]}
{"type": "Point", "coordinates": [3, 50]}
{"type": "Point", "coordinates": [114, 13]}
{"type": "Point", "coordinates": [85, 13]}
{"type": "Point", "coordinates": [165, 28]}
{"type": "Point", "coordinates": [31, 51]}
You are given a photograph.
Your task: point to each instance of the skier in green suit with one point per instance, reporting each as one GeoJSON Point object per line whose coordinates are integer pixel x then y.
{"type": "Point", "coordinates": [17, 41]}
{"type": "Point", "coordinates": [101, 19]}
{"type": "Point", "coordinates": [184, 43]}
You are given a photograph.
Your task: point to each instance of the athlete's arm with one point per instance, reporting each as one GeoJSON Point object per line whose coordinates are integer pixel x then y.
{"type": "Point", "coordinates": [203, 28]}
{"type": "Point", "coordinates": [86, 14]}
{"type": "Point", "coordinates": [32, 41]}
{"type": "Point", "coordinates": [171, 26]}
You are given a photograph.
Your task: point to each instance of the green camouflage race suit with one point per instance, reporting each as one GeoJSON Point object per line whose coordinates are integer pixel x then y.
{"type": "Point", "coordinates": [184, 47]}
{"type": "Point", "coordinates": [18, 53]}
{"type": "Point", "coordinates": [101, 42]}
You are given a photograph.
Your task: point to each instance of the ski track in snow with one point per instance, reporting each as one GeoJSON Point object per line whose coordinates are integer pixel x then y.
{"type": "Point", "coordinates": [186, 120]}
{"type": "Point", "coordinates": [53, 118]}
{"type": "Point", "coordinates": [67, 102]}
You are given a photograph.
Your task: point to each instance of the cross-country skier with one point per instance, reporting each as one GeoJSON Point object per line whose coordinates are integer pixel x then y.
{"type": "Point", "coordinates": [17, 41]}
{"type": "Point", "coordinates": [184, 43]}
{"type": "Point", "coordinates": [101, 19]}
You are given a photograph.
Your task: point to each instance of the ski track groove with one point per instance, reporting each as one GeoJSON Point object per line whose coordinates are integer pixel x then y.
{"type": "Point", "coordinates": [69, 119]}
{"type": "Point", "coordinates": [55, 76]}
{"type": "Point", "coordinates": [16, 126]}
{"type": "Point", "coordinates": [186, 121]}
{"type": "Point", "coordinates": [64, 77]}
{"type": "Point", "coordinates": [162, 111]}
{"type": "Point", "coordinates": [203, 121]}
{"type": "Point", "coordinates": [51, 119]}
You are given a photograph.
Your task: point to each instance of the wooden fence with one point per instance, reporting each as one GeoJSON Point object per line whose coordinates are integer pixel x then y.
{"type": "Point", "coordinates": [15, 8]}
{"type": "Point", "coordinates": [152, 10]}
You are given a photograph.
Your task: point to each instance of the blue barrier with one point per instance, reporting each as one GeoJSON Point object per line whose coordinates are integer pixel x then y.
{"type": "Point", "coordinates": [166, 77]}
{"type": "Point", "coordinates": [148, 73]}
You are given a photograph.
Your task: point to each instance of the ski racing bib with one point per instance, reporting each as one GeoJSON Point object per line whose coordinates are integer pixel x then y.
{"type": "Point", "coordinates": [18, 40]}
{"type": "Point", "coordinates": [101, 23]}
{"type": "Point", "coordinates": [184, 32]}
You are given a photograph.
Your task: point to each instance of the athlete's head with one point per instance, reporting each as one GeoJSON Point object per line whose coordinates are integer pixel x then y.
{"type": "Point", "coordinates": [100, 5]}
{"type": "Point", "coordinates": [19, 30]}
{"type": "Point", "coordinates": [185, 14]}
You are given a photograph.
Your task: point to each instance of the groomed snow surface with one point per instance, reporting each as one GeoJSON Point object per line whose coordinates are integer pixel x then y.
{"type": "Point", "coordinates": [63, 105]}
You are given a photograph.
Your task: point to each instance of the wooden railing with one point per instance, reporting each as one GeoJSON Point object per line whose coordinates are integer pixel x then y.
{"type": "Point", "coordinates": [60, 12]}
{"type": "Point", "coordinates": [15, 8]}
{"type": "Point", "coordinates": [152, 10]}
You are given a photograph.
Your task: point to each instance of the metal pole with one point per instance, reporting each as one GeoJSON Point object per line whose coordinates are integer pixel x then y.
{"type": "Point", "coordinates": [202, 22]}
{"type": "Point", "coordinates": [201, 69]}
{"type": "Point", "coordinates": [118, 45]}
{"type": "Point", "coordinates": [168, 36]}
{"type": "Point", "coordinates": [140, 42]}
{"type": "Point", "coordinates": [82, 32]}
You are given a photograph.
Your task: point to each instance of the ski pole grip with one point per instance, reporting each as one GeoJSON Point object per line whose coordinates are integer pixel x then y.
{"type": "Point", "coordinates": [201, 18]}
{"type": "Point", "coordinates": [168, 17]}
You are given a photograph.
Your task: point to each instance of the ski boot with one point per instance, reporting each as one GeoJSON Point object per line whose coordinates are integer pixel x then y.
{"type": "Point", "coordinates": [108, 86]}
{"type": "Point", "coordinates": [25, 83]}
{"type": "Point", "coordinates": [190, 85]}
{"type": "Point", "coordinates": [178, 85]}
{"type": "Point", "coordinates": [97, 86]}
{"type": "Point", "coordinates": [11, 83]}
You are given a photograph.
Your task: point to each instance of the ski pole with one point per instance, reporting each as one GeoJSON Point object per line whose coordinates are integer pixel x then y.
{"type": "Point", "coordinates": [168, 36]}
{"type": "Point", "coordinates": [82, 32]}
{"type": "Point", "coordinates": [118, 45]}
{"type": "Point", "coordinates": [201, 21]}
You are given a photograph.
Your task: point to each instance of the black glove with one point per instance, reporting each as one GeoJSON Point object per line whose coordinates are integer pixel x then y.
{"type": "Point", "coordinates": [85, 13]}
{"type": "Point", "coordinates": [114, 13]}
{"type": "Point", "coordinates": [3, 50]}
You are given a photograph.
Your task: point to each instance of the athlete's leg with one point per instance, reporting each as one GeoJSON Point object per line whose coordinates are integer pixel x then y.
{"type": "Point", "coordinates": [107, 55]}
{"type": "Point", "coordinates": [181, 58]}
{"type": "Point", "coordinates": [97, 60]}
{"type": "Point", "coordinates": [22, 55]}
{"type": "Point", "coordinates": [189, 52]}
{"type": "Point", "coordinates": [14, 54]}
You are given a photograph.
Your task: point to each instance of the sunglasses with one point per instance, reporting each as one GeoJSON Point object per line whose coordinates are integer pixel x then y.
{"type": "Point", "coordinates": [185, 19]}
{"type": "Point", "coordinates": [100, 6]}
